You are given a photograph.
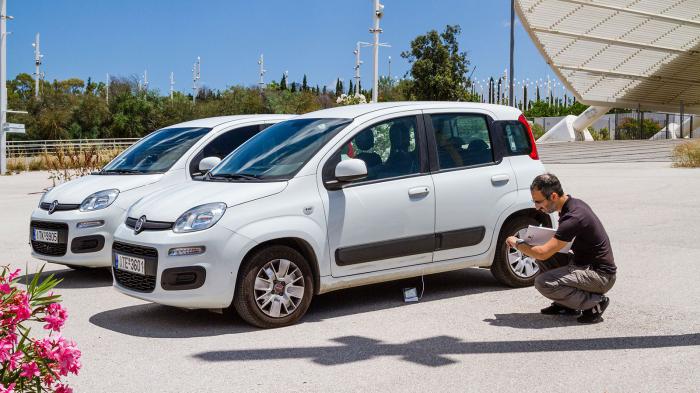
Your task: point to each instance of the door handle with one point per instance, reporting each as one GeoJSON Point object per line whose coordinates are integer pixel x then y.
{"type": "Point", "coordinates": [495, 179]}
{"type": "Point", "coordinates": [418, 191]}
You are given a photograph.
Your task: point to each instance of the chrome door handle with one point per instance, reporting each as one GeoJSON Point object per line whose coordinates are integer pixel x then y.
{"type": "Point", "coordinates": [500, 179]}
{"type": "Point", "coordinates": [418, 191]}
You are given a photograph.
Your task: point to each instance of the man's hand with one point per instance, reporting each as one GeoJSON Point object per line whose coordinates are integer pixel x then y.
{"type": "Point", "coordinates": [511, 241]}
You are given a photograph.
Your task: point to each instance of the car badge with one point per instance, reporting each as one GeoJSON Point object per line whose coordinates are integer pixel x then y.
{"type": "Point", "coordinates": [139, 225]}
{"type": "Point", "coordinates": [53, 206]}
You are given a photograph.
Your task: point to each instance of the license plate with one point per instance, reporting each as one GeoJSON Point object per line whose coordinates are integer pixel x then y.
{"type": "Point", "coordinates": [41, 235]}
{"type": "Point", "coordinates": [130, 264]}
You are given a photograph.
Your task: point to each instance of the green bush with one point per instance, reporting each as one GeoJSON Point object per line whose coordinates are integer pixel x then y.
{"type": "Point", "coordinates": [537, 130]}
{"type": "Point", "coordinates": [601, 134]}
{"type": "Point", "coordinates": [629, 129]}
{"type": "Point", "coordinates": [687, 155]}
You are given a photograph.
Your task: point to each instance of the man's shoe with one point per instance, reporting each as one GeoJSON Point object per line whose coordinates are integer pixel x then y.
{"type": "Point", "coordinates": [594, 314]}
{"type": "Point", "coordinates": [557, 309]}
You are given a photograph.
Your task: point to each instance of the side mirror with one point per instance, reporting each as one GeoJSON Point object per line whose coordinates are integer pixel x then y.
{"type": "Point", "coordinates": [208, 163]}
{"type": "Point", "coordinates": [350, 170]}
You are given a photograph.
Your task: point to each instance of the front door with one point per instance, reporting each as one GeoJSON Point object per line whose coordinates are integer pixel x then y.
{"type": "Point", "coordinates": [386, 220]}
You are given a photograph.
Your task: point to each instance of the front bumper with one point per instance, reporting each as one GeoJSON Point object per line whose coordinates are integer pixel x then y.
{"type": "Point", "coordinates": [208, 279]}
{"type": "Point", "coordinates": [90, 247]}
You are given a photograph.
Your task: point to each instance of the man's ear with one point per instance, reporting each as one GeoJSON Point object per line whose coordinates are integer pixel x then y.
{"type": "Point", "coordinates": [554, 197]}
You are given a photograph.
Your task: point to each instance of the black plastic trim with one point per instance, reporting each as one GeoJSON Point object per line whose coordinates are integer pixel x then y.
{"type": "Point", "coordinates": [413, 245]}
{"type": "Point", "coordinates": [52, 249]}
{"type": "Point", "coordinates": [60, 206]}
{"type": "Point", "coordinates": [77, 246]}
{"type": "Point", "coordinates": [149, 225]}
{"type": "Point", "coordinates": [460, 238]}
{"type": "Point", "coordinates": [169, 278]}
{"type": "Point", "coordinates": [384, 250]}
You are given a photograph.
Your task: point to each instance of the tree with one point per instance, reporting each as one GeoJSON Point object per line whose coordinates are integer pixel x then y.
{"type": "Point", "coordinates": [304, 84]}
{"type": "Point", "coordinates": [438, 68]}
{"type": "Point", "coordinates": [283, 82]}
{"type": "Point", "coordinates": [350, 89]}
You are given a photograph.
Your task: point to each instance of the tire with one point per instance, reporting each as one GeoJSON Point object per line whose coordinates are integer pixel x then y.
{"type": "Point", "coordinates": [524, 272]}
{"type": "Point", "coordinates": [280, 304]}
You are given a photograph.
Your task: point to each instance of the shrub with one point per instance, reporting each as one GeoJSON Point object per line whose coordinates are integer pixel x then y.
{"type": "Point", "coordinates": [537, 130]}
{"type": "Point", "coordinates": [601, 134]}
{"type": "Point", "coordinates": [687, 155]}
{"type": "Point", "coordinates": [629, 129]}
{"type": "Point", "coordinates": [32, 364]}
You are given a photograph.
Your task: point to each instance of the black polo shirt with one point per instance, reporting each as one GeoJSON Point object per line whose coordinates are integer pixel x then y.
{"type": "Point", "coordinates": [591, 245]}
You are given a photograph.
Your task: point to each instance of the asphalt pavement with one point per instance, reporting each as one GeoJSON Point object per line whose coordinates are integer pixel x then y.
{"type": "Point", "coordinates": [467, 334]}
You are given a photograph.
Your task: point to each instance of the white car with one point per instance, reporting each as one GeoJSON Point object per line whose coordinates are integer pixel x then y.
{"type": "Point", "coordinates": [74, 222]}
{"type": "Point", "coordinates": [338, 198]}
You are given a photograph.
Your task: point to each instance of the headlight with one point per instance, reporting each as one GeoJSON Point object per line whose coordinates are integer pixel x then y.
{"type": "Point", "coordinates": [200, 217]}
{"type": "Point", "coordinates": [99, 200]}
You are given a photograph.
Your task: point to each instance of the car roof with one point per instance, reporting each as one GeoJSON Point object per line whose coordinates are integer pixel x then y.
{"type": "Point", "coordinates": [212, 122]}
{"type": "Point", "coordinates": [354, 111]}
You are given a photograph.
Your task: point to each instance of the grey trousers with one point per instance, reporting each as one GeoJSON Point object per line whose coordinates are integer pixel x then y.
{"type": "Point", "coordinates": [575, 287]}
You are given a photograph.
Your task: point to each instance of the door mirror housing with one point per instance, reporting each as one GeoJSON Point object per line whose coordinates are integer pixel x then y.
{"type": "Point", "coordinates": [350, 170]}
{"type": "Point", "coordinates": [208, 163]}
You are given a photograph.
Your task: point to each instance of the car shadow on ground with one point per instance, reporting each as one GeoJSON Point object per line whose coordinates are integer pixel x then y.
{"type": "Point", "coordinates": [157, 321]}
{"type": "Point", "coordinates": [434, 351]}
{"type": "Point", "coordinates": [75, 279]}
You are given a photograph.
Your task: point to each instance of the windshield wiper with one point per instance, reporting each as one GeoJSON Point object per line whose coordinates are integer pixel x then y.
{"type": "Point", "coordinates": [245, 176]}
{"type": "Point", "coordinates": [123, 171]}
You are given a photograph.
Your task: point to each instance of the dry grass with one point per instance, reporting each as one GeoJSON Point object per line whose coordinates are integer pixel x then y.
{"type": "Point", "coordinates": [687, 155]}
{"type": "Point", "coordinates": [66, 164]}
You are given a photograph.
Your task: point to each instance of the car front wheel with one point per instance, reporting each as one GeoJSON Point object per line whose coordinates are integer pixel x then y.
{"type": "Point", "coordinates": [275, 287]}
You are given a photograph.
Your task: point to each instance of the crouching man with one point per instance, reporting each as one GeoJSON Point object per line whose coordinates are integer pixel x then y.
{"type": "Point", "coordinates": [582, 283]}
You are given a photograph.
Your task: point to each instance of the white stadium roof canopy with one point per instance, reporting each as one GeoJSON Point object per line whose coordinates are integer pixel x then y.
{"type": "Point", "coordinates": [621, 53]}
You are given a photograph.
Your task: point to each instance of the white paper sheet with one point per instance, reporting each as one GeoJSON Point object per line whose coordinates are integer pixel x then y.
{"type": "Point", "coordinates": [536, 236]}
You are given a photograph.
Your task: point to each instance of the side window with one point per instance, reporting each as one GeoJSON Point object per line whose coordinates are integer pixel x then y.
{"type": "Point", "coordinates": [223, 144]}
{"type": "Point", "coordinates": [389, 149]}
{"type": "Point", "coordinates": [517, 140]}
{"type": "Point", "coordinates": [462, 140]}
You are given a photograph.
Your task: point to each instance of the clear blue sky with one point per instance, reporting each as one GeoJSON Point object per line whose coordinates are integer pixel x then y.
{"type": "Point", "coordinates": [82, 38]}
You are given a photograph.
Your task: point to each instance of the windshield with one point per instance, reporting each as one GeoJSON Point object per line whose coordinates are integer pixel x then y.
{"type": "Point", "coordinates": [278, 152]}
{"type": "Point", "coordinates": [157, 152]}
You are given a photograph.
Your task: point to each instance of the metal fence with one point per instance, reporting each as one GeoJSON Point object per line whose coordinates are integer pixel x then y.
{"type": "Point", "coordinates": [637, 126]}
{"type": "Point", "coordinates": [35, 148]}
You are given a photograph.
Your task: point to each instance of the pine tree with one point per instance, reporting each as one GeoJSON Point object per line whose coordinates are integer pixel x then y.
{"type": "Point", "coordinates": [283, 82]}
{"type": "Point", "coordinates": [294, 87]}
{"type": "Point", "coordinates": [325, 90]}
{"type": "Point", "coordinates": [350, 89]}
{"type": "Point", "coordinates": [304, 85]}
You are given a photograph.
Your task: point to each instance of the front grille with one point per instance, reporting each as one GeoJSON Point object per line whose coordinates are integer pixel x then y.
{"type": "Point", "coordinates": [149, 225]}
{"type": "Point", "coordinates": [60, 206]}
{"type": "Point", "coordinates": [52, 249]}
{"type": "Point", "coordinates": [134, 281]}
{"type": "Point", "coordinates": [135, 250]}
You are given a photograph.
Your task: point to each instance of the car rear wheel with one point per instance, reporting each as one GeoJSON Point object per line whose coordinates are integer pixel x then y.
{"type": "Point", "coordinates": [275, 287]}
{"type": "Point", "coordinates": [510, 266]}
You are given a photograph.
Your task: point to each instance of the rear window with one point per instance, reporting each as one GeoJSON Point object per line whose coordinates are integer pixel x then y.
{"type": "Point", "coordinates": [516, 138]}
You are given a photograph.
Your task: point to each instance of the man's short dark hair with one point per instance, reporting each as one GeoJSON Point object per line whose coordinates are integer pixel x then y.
{"type": "Point", "coordinates": [547, 184]}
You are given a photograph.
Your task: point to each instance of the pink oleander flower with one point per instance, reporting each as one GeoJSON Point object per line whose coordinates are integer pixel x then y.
{"type": "Point", "coordinates": [55, 317]}
{"type": "Point", "coordinates": [20, 307]}
{"type": "Point", "coordinates": [5, 288]}
{"type": "Point", "coordinates": [14, 359]}
{"type": "Point", "coordinates": [6, 346]}
{"type": "Point", "coordinates": [60, 388]}
{"type": "Point", "coordinates": [7, 389]}
{"type": "Point", "coordinates": [13, 275]}
{"type": "Point", "coordinates": [68, 357]}
{"type": "Point", "coordinates": [30, 370]}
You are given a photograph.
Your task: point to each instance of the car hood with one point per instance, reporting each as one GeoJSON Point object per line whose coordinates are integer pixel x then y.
{"type": "Point", "coordinates": [169, 204]}
{"type": "Point", "coordinates": [75, 191]}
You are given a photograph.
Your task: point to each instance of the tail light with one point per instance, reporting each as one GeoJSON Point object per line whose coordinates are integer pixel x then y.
{"type": "Point", "coordinates": [533, 151]}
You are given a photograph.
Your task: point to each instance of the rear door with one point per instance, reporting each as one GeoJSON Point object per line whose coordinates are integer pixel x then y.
{"type": "Point", "coordinates": [473, 182]}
